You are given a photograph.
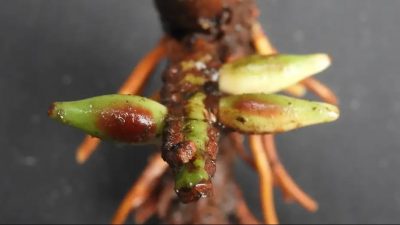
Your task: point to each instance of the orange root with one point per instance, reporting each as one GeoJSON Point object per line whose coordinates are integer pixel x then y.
{"type": "Point", "coordinates": [133, 85]}
{"type": "Point", "coordinates": [86, 148]}
{"type": "Point", "coordinates": [266, 184]}
{"type": "Point", "coordinates": [289, 187]}
{"type": "Point", "coordinates": [237, 142]}
{"type": "Point", "coordinates": [243, 212]}
{"type": "Point", "coordinates": [140, 74]}
{"type": "Point", "coordinates": [156, 96]}
{"type": "Point", "coordinates": [261, 42]}
{"type": "Point", "coordinates": [146, 211]}
{"type": "Point", "coordinates": [167, 195]}
{"type": "Point", "coordinates": [142, 188]}
{"type": "Point", "coordinates": [321, 90]}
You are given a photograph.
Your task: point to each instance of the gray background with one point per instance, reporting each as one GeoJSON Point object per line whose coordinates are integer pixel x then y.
{"type": "Point", "coordinates": [64, 50]}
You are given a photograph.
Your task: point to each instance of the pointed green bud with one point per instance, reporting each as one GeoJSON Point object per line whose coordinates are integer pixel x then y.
{"type": "Point", "coordinates": [262, 113]}
{"type": "Point", "coordinates": [124, 118]}
{"type": "Point", "coordinates": [269, 74]}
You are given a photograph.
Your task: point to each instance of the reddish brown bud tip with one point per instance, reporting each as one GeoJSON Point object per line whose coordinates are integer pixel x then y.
{"type": "Point", "coordinates": [50, 111]}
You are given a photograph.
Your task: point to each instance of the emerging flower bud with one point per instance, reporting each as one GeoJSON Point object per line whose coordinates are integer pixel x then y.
{"type": "Point", "coordinates": [262, 113]}
{"type": "Point", "coordinates": [269, 74]}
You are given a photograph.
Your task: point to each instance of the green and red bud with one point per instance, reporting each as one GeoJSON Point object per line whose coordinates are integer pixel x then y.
{"type": "Point", "coordinates": [269, 74]}
{"type": "Point", "coordinates": [124, 118]}
{"type": "Point", "coordinates": [263, 113]}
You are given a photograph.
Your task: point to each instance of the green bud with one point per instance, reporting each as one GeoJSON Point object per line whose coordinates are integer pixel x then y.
{"type": "Point", "coordinates": [269, 74]}
{"type": "Point", "coordinates": [262, 113]}
{"type": "Point", "coordinates": [125, 118]}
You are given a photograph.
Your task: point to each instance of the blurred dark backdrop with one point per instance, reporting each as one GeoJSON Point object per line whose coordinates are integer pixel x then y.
{"type": "Point", "coordinates": [64, 50]}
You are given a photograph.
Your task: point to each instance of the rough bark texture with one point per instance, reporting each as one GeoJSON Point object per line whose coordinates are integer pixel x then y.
{"type": "Point", "coordinates": [207, 33]}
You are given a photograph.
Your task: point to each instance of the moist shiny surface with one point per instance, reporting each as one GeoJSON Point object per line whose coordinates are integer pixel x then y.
{"type": "Point", "coordinates": [128, 124]}
{"type": "Point", "coordinates": [195, 57]}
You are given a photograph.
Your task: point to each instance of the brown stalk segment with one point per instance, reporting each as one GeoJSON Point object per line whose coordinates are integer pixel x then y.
{"type": "Point", "coordinates": [266, 184]}
{"type": "Point", "coordinates": [217, 33]}
{"type": "Point", "coordinates": [141, 189]}
{"type": "Point", "coordinates": [133, 85]}
{"type": "Point", "coordinates": [284, 180]}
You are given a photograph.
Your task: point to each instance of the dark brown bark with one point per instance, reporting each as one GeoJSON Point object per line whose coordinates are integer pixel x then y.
{"type": "Point", "coordinates": [208, 33]}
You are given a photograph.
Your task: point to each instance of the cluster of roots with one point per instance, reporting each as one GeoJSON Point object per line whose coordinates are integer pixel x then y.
{"type": "Point", "coordinates": [153, 192]}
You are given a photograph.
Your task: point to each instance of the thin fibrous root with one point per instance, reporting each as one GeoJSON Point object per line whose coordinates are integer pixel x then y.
{"type": "Point", "coordinates": [143, 69]}
{"type": "Point", "coordinates": [166, 196]}
{"type": "Point", "coordinates": [265, 176]}
{"type": "Point", "coordinates": [146, 210]}
{"type": "Point", "coordinates": [289, 187]}
{"type": "Point", "coordinates": [133, 85]}
{"type": "Point", "coordinates": [237, 143]}
{"type": "Point", "coordinates": [156, 96]}
{"type": "Point", "coordinates": [141, 189]}
{"type": "Point", "coordinates": [86, 148]}
{"type": "Point", "coordinates": [243, 212]}
{"type": "Point", "coordinates": [321, 90]}
{"type": "Point", "coordinates": [237, 140]}
{"type": "Point", "coordinates": [261, 42]}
